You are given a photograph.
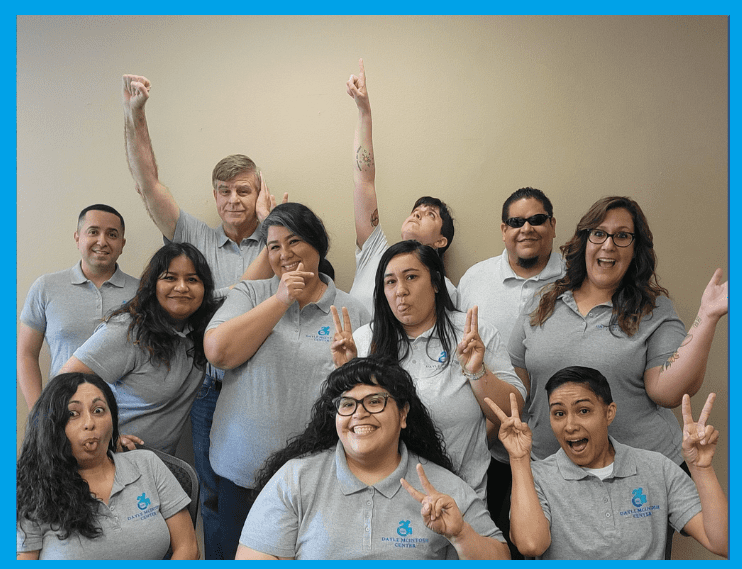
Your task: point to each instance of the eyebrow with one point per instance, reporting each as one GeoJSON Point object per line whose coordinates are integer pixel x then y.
{"type": "Point", "coordinates": [80, 402]}
{"type": "Point", "coordinates": [573, 403]}
{"type": "Point", "coordinates": [404, 271]}
{"type": "Point", "coordinates": [289, 236]}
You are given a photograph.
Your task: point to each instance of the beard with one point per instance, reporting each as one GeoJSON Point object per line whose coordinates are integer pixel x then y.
{"type": "Point", "coordinates": [527, 263]}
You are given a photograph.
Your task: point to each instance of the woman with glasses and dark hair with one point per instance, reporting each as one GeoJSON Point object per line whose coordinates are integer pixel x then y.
{"type": "Point", "coordinates": [454, 360]}
{"type": "Point", "coordinates": [272, 336]}
{"type": "Point", "coordinates": [77, 498]}
{"type": "Point", "coordinates": [151, 349]}
{"type": "Point", "coordinates": [608, 312]}
{"type": "Point", "coordinates": [352, 484]}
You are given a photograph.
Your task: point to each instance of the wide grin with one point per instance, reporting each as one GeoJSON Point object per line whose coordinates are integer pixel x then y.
{"type": "Point", "coordinates": [363, 429]}
{"type": "Point", "coordinates": [606, 262]}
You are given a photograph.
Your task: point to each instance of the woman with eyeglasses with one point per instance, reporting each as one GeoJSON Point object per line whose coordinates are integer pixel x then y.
{"type": "Point", "coordinates": [610, 313]}
{"type": "Point", "coordinates": [273, 337]}
{"type": "Point", "coordinates": [352, 484]}
{"type": "Point", "coordinates": [454, 359]}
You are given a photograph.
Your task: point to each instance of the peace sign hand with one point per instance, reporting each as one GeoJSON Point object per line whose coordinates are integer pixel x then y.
{"type": "Point", "coordinates": [699, 439]}
{"type": "Point", "coordinates": [515, 435]}
{"type": "Point", "coordinates": [470, 350]}
{"type": "Point", "coordinates": [343, 347]}
{"type": "Point", "coordinates": [440, 512]}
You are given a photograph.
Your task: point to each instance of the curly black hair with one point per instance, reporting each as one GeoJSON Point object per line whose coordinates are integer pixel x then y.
{"type": "Point", "coordinates": [49, 489]}
{"type": "Point", "coordinates": [151, 327]}
{"type": "Point", "coordinates": [421, 436]}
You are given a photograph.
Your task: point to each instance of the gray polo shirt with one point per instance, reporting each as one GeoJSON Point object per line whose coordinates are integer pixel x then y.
{"type": "Point", "coordinates": [624, 516]}
{"type": "Point", "coordinates": [154, 400]}
{"type": "Point", "coordinates": [568, 338]}
{"type": "Point", "coordinates": [145, 493]}
{"type": "Point", "coordinates": [315, 508]}
{"type": "Point", "coordinates": [447, 394]}
{"type": "Point", "coordinates": [367, 263]}
{"type": "Point", "coordinates": [66, 307]}
{"type": "Point", "coordinates": [268, 398]}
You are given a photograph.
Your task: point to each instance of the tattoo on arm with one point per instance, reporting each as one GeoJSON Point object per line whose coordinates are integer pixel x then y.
{"type": "Point", "coordinates": [697, 322]}
{"type": "Point", "coordinates": [375, 218]}
{"type": "Point", "coordinates": [364, 159]}
{"type": "Point", "coordinates": [673, 358]}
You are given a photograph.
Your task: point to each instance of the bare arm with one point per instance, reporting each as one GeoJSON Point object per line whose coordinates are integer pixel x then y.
{"type": "Point", "coordinates": [684, 371]}
{"type": "Point", "coordinates": [28, 555]}
{"type": "Point", "coordinates": [75, 365]}
{"type": "Point", "coordinates": [182, 536]}
{"type": "Point", "coordinates": [364, 167]}
{"type": "Point", "coordinates": [247, 553]}
{"type": "Point", "coordinates": [524, 377]}
{"type": "Point", "coordinates": [27, 359]}
{"type": "Point", "coordinates": [158, 200]}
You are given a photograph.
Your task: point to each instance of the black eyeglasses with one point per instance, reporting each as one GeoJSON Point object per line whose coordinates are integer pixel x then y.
{"type": "Point", "coordinates": [620, 239]}
{"type": "Point", "coordinates": [538, 219]}
{"type": "Point", "coordinates": [373, 403]}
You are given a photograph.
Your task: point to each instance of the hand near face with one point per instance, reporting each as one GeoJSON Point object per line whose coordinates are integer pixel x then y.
{"type": "Point", "coordinates": [128, 442]}
{"type": "Point", "coordinates": [470, 350]}
{"type": "Point", "coordinates": [266, 201]}
{"type": "Point", "coordinates": [715, 299]}
{"type": "Point", "coordinates": [136, 91]}
{"type": "Point", "coordinates": [292, 285]}
{"type": "Point", "coordinates": [356, 88]}
{"type": "Point", "coordinates": [440, 512]}
{"type": "Point", "coordinates": [699, 439]}
{"type": "Point", "coordinates": [515, 435]}
{"type": "Point", "coordinates": [343, 347]}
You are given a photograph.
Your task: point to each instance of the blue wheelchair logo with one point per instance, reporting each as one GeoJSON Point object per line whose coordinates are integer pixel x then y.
{"type": "Point", "coordinates": [324, 331]}
{"type": "Point", "coordinates": [143, 502]}
{"type": "Point", "coordinates": [404, 528]}
{"type": "Point", "coordinates": [442, 357]}
{"type": "Point", "coordinates": [639, 498]}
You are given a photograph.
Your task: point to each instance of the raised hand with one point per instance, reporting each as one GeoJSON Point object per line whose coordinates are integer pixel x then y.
{"type": "Point", "coordinates": [699, 439]}
{"type": "Point", "coordinates": [356, 88]}
{"type": "Point", "coordinates": [135, 91]}
{"type": "Point", "coordinates": [515, 435]}
{"type": "Point", "coordinates": [292, 285]}
{"type": "Point", "coordinates": [470, 350]}
{"type": "Point", "coordinates": [343, 347]}
{"type": "Point", "coordinates": [440, 512]}
{"type": "Point", "coordinates": [715, 299]}
{"type": "Point", "coordinates": [266, 201]}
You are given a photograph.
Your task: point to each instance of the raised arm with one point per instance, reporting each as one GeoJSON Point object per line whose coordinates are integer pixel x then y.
{"type": "Point", "coordinates": [160, 203]}
{"type": "Point", "coordinates": [710, 527]}
{"type": "Point", "coordinates": [529, 528]}
{"type": "Point", "coordinates": [684, 371]}
{"type": "Point", "coordinates": [364, 167]}
{"type": "Point", "coordinates": [27, 360]}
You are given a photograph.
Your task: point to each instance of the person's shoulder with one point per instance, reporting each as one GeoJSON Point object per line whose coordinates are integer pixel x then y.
{"type": "Point", "coordinates": [481, 269]}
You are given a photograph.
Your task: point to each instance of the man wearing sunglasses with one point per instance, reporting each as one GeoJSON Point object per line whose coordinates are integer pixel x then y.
{"type": "Point", "coordinates": [501, 286]}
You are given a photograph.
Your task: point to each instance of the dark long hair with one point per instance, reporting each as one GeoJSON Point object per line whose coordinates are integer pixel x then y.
{"type": "Point", "coordinates": [389, 338]}
{"type": "Point", "coordinates": [49, 489]}
{"type": "Point", "coordinates": [420, 436]}
{"type": "Point", "coordinates": [304, 223]}
{"type": "Point", "coordinates": [151, 327]}
{"type": "Point", "coordinates": [637, 292]}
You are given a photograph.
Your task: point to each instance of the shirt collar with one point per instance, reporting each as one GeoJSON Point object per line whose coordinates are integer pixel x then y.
{"type": "Point", "coordinates": [623, 463]}
{"type": "Point", "coordinates": [126, 472]}
{"type": "Point", "coordinates": [118, 278]}
{"type": "Point", "coordinates": [349, 484]}
{"type": "Point", "coordinates": [554, 268]}
{"type": "Point", "coordinates": [222, 239]}
{"type": "Point", "coordinates": [569, 299]}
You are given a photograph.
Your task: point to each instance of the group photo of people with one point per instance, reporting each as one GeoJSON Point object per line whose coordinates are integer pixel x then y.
{"type": "Point", "coordinates": [229, 351]}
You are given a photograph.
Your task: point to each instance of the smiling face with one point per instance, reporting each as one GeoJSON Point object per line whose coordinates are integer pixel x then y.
{"type": "Point", "coordinates": [180, 291]}
{"type": "Point", "coordinates": [529, 246]}
{"type": "Point", "coordinates": [410, 293]}
{"type": "Point", "coordinates": [235, 201]}
{"type": "Point", "coordinates": [371, 438]}
{"type": "Point", "coordinates": [424, 224]}
{"type": "Point", "coordinates": [580, 419]}
{"type": "Point", "coordinates": [607, 264]}
{"type": "Point", "coordinates": [100, 239]}
{"type": "Point", "coordinates": [286, 250]}
{"type": "Point", "coordinates": [90, 425]}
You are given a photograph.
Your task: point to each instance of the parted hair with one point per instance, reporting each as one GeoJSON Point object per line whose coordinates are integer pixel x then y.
{"type": "Point", "coordinates": [388, 336]}
{"type": "Point", "coordinates": [636, 295]}
{"type": "Point", "coordinates": [151, 327]}
{"type": "Point", "coordinates": [305, 224]}
{"type": "Point", "coordinates": [421, 436]}
{"type": "Point", "coordinates": [49, 488]}
{"type": "Point", "coordinates": [232, 166]}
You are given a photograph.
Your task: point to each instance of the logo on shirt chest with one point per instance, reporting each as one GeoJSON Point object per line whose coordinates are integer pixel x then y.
{"type": "Point", "coordinates": [639, 500]}
{"type": "Point", "coordinates": [405, 531]}
{"type": "Point", "coordinates": [321, 335]}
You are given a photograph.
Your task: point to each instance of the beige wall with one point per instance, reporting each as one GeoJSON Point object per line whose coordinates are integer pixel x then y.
{"type": "Point", "coordinates": [465, 108]}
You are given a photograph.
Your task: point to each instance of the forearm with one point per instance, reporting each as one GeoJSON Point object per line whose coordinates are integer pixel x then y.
{"type": "Point", "coordinates": [470, 545]}
{"type": "Point", "coordinates": [364, 175]}
{"type": "Point", "coordinates": [235, 341]}
{"type": "Point", "coordinates": [529, 528]}
{"type": "Point", "coordinates": [715, 509]}
{"type": "Point", "coordinates": [259, 269]}
{"type": "Point", "coordinates": [29, 378]}
{"type": "Point", "coordinates": [498, 391]}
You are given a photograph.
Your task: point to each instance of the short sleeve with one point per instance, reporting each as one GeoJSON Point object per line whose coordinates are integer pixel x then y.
{"type": "Point", "coordinates": [109, 352]}
{"type": "Point", "coordinates": [172, 496]}
{"type": "Point", "coordinates": [667, 336]}
{"type": "Point", "coordinates": [498, 359]}
{"type": "Point", "coordinates": [516, 344]}
{"type": "Point", "coordinates": [34, 309]}
{"type": "Point", "coordinates": [242, 298]}
{"type": "Point", "coordinates": [28, 536]}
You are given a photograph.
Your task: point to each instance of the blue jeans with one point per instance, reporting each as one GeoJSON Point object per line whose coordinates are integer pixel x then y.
{"type": "Point", "coordinates": [202, 413]}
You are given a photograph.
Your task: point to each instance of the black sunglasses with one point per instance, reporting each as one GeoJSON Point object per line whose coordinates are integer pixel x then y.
{"type": "Point", "coordinates": [538, 219]}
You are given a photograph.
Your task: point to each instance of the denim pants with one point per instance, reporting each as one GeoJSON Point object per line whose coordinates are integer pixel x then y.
{"type": "Point", "coordinates": [202, 413]}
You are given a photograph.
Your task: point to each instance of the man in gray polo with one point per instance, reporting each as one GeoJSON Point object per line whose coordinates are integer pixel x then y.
{"type": "Point", "coordinates": [501, 286]}
{"type": "Point", "coordinates": [65, 307]}
{"type": "Point", "coordinates": [229, 249]}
